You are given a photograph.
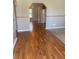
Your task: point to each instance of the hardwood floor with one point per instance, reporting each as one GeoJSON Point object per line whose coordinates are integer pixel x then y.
{"type": "Point", "coordinates": [39, 44]}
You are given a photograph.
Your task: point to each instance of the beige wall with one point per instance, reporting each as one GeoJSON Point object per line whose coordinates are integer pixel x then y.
{"type": "Point", "coordinates": [54, 7]}
{"type": "Point", "coordinates": [55, 12]}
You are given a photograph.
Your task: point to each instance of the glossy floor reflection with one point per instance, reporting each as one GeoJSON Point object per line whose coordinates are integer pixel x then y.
{"type": "Point", "coordinates": [38, 44]}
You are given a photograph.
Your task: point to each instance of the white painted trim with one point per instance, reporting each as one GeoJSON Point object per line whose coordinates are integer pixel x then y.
{"type": "Point", "coordinates": [23, 30]}
{"type": "Point", "coordinates": [46, 28]}
{"type": "Point", "coordinates": [55, 27]}
{"type": "Point", "coordinates": [15, 42]}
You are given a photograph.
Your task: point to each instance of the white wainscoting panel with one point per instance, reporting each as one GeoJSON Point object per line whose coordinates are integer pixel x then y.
{"type": "Point", "coordinates": [23, 24]}
{"type": "Point", "coordinates": [52, 22]}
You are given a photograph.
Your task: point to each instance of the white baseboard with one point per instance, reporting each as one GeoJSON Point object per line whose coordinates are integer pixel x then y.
{"type": "Point", "coordinates": [14, 42]}
{"type": "Point", "coordinates": [55, 27]}
{"type": "Point", "coordinates": [46, 28]}
{"type": "Point", "coordinates": [23, 30]}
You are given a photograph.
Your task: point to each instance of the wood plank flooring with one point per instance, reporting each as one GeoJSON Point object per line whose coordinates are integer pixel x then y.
{"type": "Point", "coordinates": [39, 44]}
